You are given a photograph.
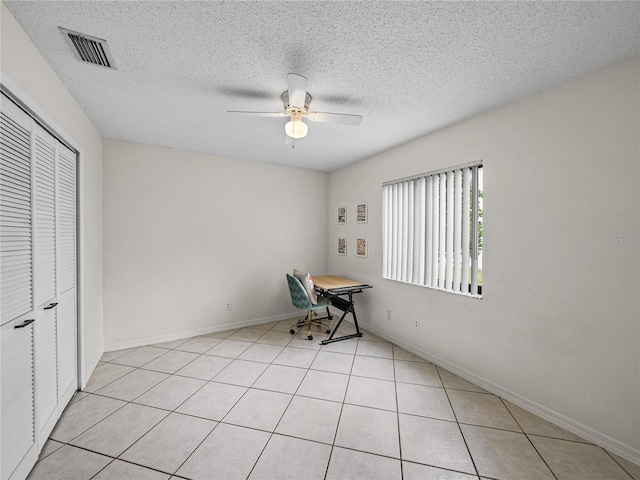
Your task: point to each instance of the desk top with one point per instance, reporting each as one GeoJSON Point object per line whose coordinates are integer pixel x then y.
{"type": "Point", "coordinates": [329, 282]}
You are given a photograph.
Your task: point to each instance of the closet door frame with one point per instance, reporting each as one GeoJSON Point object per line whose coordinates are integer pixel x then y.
{"type": "Point", "coordinates": [12, 89]}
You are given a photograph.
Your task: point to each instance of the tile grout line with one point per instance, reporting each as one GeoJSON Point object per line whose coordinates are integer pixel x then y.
{"type": "Point", "coordinates": [132, 402]}
{"type": "Point", "coordinates": [473, 462]}
{"type": "Point", "coordinates": [89, 428]}
{"type": "Point", "coordinates": [395, 389]}
{"type": "Point", "coordinates": [423, 416]}
{"type": "Point", "coordinates": [114, 459]}
{"type": "Point", "coordinates": [344, 397]}
{"type": "Point", "coordinates": [146, 406]}
{"type": "Point", "coordinates": [165, 417]}
{"type": "Point", "coordinates": [102, 469]}
{"type": "Point", "coordinates": [251, 386]}
{"type": "Point", "coordinates": [232, 407]}
{"type": "Point", "coordinates": [114, 380]}
{"type": "Point", "coordinates": [619, 464]}
{"type": "Point", "coordinates": [528, 439]}
{"type": "Point", "coordinates": [128, 402]}
{"type": "Point", "coordinates": [271, 434]}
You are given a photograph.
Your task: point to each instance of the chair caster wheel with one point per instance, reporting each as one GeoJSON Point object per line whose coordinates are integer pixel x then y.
{"type": "Point", "coordinates": [292, 331]}
{"type": "Point", "coordinates": [310, 337]}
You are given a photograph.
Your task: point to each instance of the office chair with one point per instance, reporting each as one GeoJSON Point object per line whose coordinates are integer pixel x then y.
{"type": "Point", "coordinates": [300, 299]}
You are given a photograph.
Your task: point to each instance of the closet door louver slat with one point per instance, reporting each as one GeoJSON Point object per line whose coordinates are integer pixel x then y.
{"type": "Point", "coordinates": [66, 234]}
{"type": "Point", "coordinates": [16, 289]}
{"type": "Point", "coordinates": [44, 217]}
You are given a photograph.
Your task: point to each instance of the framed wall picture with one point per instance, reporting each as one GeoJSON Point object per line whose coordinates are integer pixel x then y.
{"type": "Point", "coordinates": [342, 215]}
{"type": "Point", "coordinates": [342, 246]}
{"type": "Point", "coordinates": [361, 213]}
{"type": "Point", "coordinates": [361, 247]}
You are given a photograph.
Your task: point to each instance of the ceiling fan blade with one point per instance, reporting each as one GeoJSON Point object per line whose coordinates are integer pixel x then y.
{"type": "Point", "coordinates": [258, 114]}
{"type": "Point", "coordinates": [342, 118]}
{"type": "Point", "coordinates": [297, 90]}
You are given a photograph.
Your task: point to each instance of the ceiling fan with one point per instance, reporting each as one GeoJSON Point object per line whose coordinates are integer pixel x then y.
{"type": "Point", "coordinates": [296, 102]}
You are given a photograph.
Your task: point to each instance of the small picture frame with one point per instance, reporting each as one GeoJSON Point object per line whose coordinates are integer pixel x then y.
{"type": "Point", "coordinates": [361, 247]}
{"type": "Point", "coordinates": [361, 213]}
{"type": "Point", "coordinates": [342, 246]}
{"type": "Point", "coordinates": [342, 215]}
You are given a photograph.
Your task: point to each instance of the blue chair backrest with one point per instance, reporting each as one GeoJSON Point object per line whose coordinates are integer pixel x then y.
{"type": "Point", "coordinates": [299, 296]}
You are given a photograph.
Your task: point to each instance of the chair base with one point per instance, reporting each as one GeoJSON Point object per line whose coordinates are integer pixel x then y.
{"type": "Point", "coordinates": [308, 321]}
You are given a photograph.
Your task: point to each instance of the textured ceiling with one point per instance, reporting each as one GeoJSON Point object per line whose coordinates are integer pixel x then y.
{"type": "Point", "coordinates": [409, 68]}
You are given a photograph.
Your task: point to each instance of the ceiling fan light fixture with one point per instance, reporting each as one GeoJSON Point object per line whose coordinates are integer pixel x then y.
{"type": "Point", "coordinates": [295, 101]}
{"type": "Point", "coordinates": [296, 129]}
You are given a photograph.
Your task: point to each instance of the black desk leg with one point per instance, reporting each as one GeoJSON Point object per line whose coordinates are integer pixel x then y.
{"type": "Point", "coordinates": [350, 309]}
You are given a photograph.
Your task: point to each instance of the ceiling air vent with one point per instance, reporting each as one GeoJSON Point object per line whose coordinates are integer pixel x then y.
{"type": "Point", "coordinates": [89, 49]}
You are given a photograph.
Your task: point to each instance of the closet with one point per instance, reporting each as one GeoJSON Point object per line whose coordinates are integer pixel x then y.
{"type": "Point", "coordinates": [38, 288]}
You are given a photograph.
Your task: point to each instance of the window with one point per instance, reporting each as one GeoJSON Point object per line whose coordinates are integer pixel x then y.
{"type": "Point", "coordinates": [432, 230]}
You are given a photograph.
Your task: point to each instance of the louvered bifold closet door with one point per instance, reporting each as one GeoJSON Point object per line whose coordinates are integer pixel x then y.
{"type": "Point", "coordinates": [18, 442]}
{"type": "Point", "coordinates": [38, 285]}
{"type": "Point", "coordinates": [16, 288]}
{"type": "Point", "coordinates": [46, 344]}
{"type": "Point", "coordinates": [66, 268]}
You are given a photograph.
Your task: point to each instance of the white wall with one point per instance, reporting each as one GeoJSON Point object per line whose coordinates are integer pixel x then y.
{"type": "Point", "coordinates": [185, 232]}
{"type": "Point", "coordinates": [27, 75]}
{"type": "Point", "coordinates": [558, 329]}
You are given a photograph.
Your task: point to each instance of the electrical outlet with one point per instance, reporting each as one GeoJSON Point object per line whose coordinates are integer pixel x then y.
{"type": "Point", "coordinates": [416, 324]}
{"type": "Point", "coordinates": [388, 315]}
{"type": "Point", "coordinates": [228, 306]}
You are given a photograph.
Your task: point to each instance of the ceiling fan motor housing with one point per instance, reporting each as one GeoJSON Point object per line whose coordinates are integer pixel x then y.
{"type": "Point", "coordinates": [295, 111]}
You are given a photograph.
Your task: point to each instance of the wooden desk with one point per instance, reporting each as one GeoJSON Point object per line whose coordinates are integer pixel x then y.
{"type": "Point", "coordinates": [334, 288]}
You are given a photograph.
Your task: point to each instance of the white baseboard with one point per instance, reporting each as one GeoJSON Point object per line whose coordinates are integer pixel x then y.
{"type": "Point", "coordinates": [220, 327]}
{"type": "Point", "coordinates": [625, 451]}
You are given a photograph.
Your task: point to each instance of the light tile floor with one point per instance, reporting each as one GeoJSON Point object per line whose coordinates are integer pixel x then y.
{"type": "Point", "coordinates": [260, 403]}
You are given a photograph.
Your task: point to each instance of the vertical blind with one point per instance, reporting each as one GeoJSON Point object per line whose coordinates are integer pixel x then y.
{"type": "Point", "coordinates": [431, 235]}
